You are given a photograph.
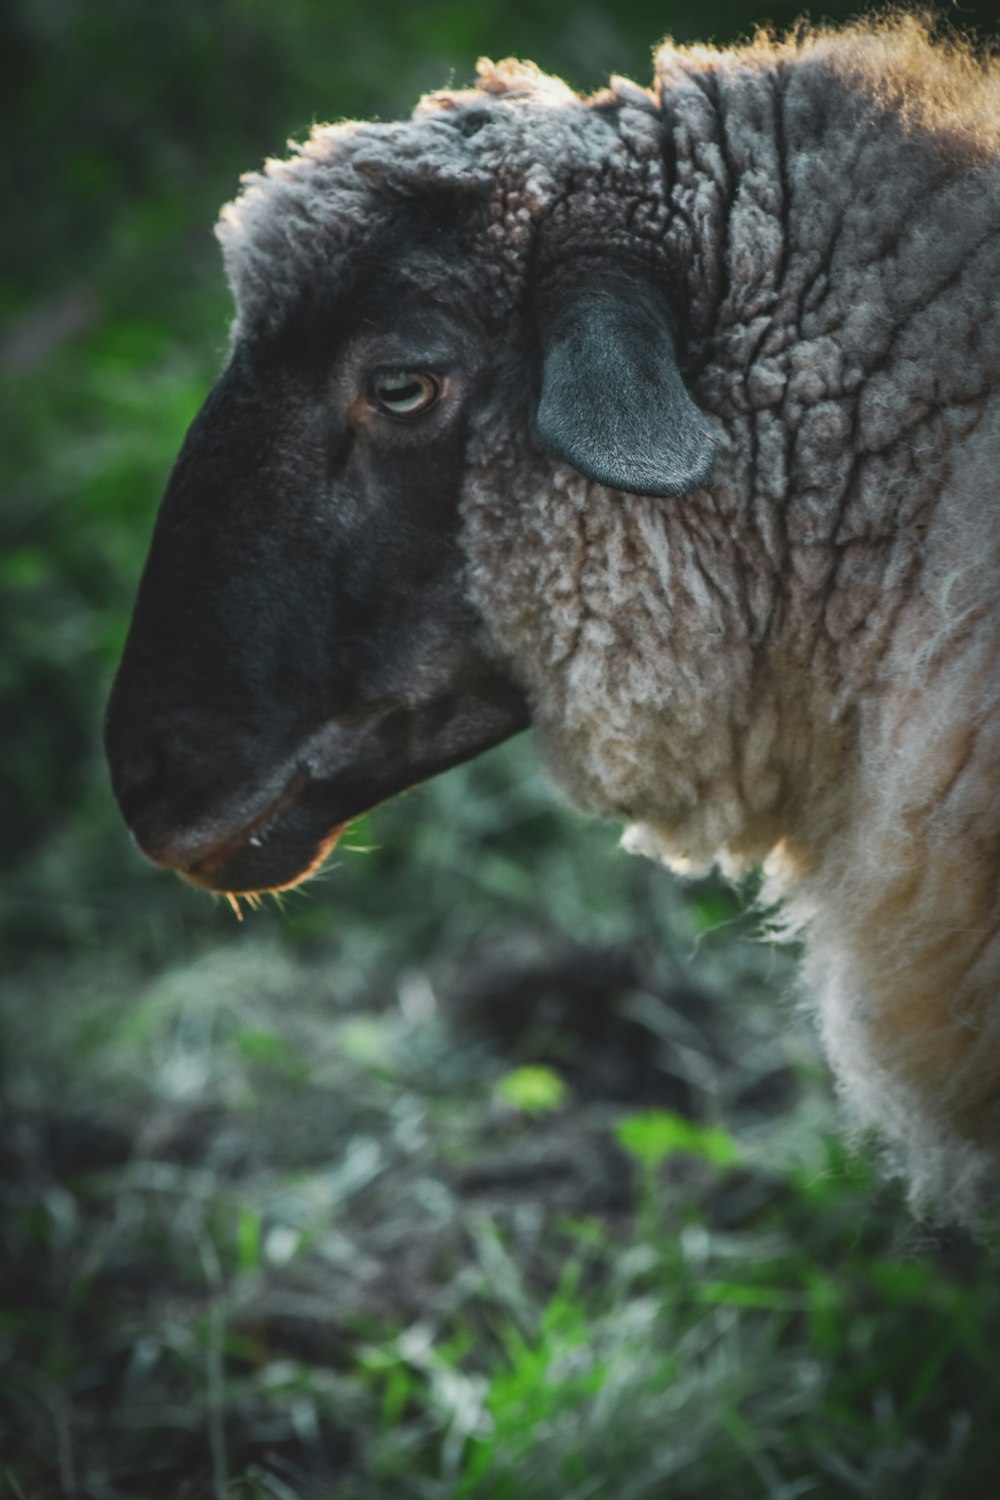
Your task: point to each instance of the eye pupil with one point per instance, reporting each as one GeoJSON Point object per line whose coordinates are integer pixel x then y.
{"type": "Point", "coordinates": [404, 393]}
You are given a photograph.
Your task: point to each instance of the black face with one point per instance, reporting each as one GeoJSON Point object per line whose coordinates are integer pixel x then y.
{"type": "Point", "coordinates": [302, 647]}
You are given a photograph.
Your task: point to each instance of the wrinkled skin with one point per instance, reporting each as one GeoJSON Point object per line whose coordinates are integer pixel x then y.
{"type": "Point", "coordinates": [302, 647]}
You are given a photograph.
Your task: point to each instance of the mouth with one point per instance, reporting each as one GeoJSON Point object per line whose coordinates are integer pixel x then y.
{"type": "Point", "coordinates": [267, 840]}
{"type": "Point", "coordinates": [277, 834]}
{"type": "Point", "coordinates": [278, 848]}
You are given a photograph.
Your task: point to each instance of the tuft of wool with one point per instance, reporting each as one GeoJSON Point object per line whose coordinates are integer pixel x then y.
{"type": "Point", "coordinates": [799, 663]}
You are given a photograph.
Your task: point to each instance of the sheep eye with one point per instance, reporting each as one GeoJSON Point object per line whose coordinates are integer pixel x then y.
{"type": "Point", "coordinates": [403, 393]}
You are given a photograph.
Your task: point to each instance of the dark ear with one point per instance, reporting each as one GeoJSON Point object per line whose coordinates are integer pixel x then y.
{"type": "Point", "coordinates": [613, 404]}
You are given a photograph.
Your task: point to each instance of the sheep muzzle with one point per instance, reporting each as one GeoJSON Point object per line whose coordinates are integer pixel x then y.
{"type": "Point", "coordinates": [302, 646]}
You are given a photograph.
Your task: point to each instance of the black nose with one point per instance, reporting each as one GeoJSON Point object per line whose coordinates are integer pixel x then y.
{"type": "Point", "coordinates": [159, 780]}
{"type": "Point", "coordinates": [162, 765]}
{"type": "Point", "coordinates": [135, 773]}
{"type": "Point", "coordinates": [136, 756]}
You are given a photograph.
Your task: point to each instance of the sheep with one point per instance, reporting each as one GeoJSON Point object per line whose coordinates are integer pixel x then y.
{"type": "Point", "coordinates": [665, 421]}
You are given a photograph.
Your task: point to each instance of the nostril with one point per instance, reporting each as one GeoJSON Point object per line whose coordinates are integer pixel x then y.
{"type": "Point", "coordinates": [134, 775]}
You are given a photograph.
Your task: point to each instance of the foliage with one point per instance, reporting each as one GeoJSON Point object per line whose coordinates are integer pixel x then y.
{"type": "Point", "coordinates": [532, 1089]}
{"type": "Point", "coordinates": [656, 1134]}
{"type": "Point", "coordinates": [269, 1234]}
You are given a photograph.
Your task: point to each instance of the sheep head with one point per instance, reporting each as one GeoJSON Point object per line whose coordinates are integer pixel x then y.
{"type": "Point", "coordinates": [305, 642]}
{"type": "Point", "coordinates": [302, 645]}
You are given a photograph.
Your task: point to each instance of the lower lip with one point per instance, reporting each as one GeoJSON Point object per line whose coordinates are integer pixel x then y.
{"type": "Point", "coordinates": [220, 871]}
{"type": "Point", "coordinates": [266, 854]}
{"type": "Point", "coordinates": [277, 847]}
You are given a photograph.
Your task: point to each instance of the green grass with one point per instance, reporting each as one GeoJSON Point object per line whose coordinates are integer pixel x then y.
{"type": "Point", "coordinates": [281, 1220]}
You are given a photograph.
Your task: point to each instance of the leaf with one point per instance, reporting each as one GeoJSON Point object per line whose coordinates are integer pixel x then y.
{"type": "Point", "coordinates": [658, 1133]}
{"type": "Point", "coordinates": [534, 1090]}
{"type": "Point", "coordinates": [248, 1240]}
{"type": "Point", "coordinates": [263, 1046]}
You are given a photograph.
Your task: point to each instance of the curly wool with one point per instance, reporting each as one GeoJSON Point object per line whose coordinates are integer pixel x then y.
{"type": "Point", "coordinates": [801, 662]}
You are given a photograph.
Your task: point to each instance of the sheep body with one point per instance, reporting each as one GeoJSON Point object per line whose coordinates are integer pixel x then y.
{"type": "Point", "coordinates": [800, 662]}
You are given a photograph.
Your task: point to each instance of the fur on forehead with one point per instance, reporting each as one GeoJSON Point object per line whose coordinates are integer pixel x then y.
{"type": "Point", "coordinates": [521, 145]}
{"type": "Point", "coordinates": [536, 158]}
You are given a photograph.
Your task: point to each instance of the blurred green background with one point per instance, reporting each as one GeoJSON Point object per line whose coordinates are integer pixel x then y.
{"type": "Point", "coordinates": [495, 1163]}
